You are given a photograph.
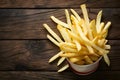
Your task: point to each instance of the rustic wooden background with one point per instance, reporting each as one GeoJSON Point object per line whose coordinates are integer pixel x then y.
{"type": "Point", "coordinates": [25, 50]}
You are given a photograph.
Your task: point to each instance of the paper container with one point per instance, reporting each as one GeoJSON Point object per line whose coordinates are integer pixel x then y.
{"type": "Point", "coordinates": [84, 69]}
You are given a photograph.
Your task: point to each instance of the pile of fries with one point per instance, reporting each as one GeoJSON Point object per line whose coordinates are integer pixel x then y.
{"type": "Point", "coordinates": [83, 41]}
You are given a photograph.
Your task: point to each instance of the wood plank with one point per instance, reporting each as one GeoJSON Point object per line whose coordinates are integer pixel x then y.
{"type": "Point", "coordinates": [27, 23]}
{"type": "Point", "coordinates": [26, 75]}
{"type": "Point", "coordinates": [57, 4]}
{"type": "Point", "coordinates": [34, 55]}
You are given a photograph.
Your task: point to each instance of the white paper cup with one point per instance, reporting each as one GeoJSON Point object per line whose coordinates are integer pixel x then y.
{"type": "Point", "coordinates": [84, 69]}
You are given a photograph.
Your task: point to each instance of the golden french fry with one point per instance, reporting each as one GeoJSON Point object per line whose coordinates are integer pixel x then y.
{"type": "Point", "coordinates": [107, 26]}
{"type": "Point", "coordinates": [52, 33]}
{"type": "Point", "coordinates": [107, 60]}
{"type": "Point", "coordinates": [52, 40]}
{"type": "Point", "coordinates": [67, 44]}
{"type": "Point", "coordinates": [61, 61]}
{"type": "Point", "coordinates": [55, 56]}
{"type": "Point", "coordinates": [76, 14]}
{"type": "Point", "coordinates": [63, 68]}
{"type": "Point", "coordinates": [74, 59]}
{"type": "Point", "coordinates": [98, 21]}
{"type": "Point", "coordinates": [68, 49]}
{"type": "Point", "coordinates": [59, 22]}
{"type": "Point", "coordinates": [107, 47]}
{"type": "Point", "coordinates": [68, 18]}
{"type": "Point", "coordinates": [85, 14]}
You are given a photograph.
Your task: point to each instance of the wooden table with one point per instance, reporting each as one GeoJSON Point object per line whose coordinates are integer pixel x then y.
{"type": "Point", "coordinates": [25, 50]}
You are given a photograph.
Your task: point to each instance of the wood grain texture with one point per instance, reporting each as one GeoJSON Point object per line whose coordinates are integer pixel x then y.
{"type": "Point", "coordinates": [57, 3]}
{"type": "Point", "coordinates": [27, 23]}
{"type": "Point", "coordinates": [34, 55]}
{"type": "Point", "coordinates": [32, 75]}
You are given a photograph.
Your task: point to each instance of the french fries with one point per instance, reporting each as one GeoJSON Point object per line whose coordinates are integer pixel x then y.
{"type": "Point", "coordinates": [83, 41]}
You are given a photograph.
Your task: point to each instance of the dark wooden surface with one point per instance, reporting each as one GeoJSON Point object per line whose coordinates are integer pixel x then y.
{"type": "Point", "coordinates": [25, 50]}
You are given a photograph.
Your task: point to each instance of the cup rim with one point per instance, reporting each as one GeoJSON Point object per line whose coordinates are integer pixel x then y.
{"type": "Point", "coordinates": [86, 64]}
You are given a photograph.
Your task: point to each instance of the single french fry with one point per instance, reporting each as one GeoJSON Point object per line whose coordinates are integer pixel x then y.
{"type": "Point", "coordinates": [59, 22]}
{"type": "Point", "coordinates": [107, 47]}
{"type": "Point", "coordinates": [85, 14]}
{"type": "Point", "coordinates": [61, 61]}
{"type": "Point", "coordinates": [107, 26]}
{"type": "Point", "coordinates": [67, 44]}
{"type": "Point", "coordinates": [68, 18]}
{"type": "Point", "coordinates": [106, 59]}
{"type": "Point", "coordinates": [55, 56]}
{"type": "Point", "coordinates": [63, 68]}
{"type": "Point", "coordinates": [98, 19]}
{"type": "Point", "coordinates": [88, 60]}
{"type": "Point", "coordinates": [76, 14]}
{"type": "Point", "coordinates": [52, 40]}
{"type": "Point", "coordinates": [52, 33]}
